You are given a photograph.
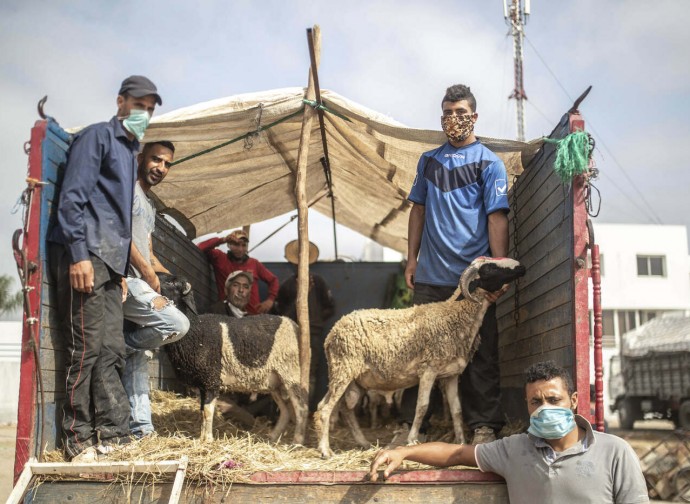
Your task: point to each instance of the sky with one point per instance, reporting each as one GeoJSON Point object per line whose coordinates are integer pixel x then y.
{"type": "Point", "coordinates": [393, 56]}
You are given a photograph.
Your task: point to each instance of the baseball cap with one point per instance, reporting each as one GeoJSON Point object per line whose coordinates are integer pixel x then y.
{"type": "Point", "coordinates": [235, 274]}
{"type": "Point", "coordinates": [138, 86]}
{"type": "Point", "coordinates": [238, 235]}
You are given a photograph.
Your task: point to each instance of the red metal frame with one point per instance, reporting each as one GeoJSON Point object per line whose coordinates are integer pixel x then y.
{"type": "Point", "coordinates": [580, 285]}
{"type": "Point", "coordinates": [26, 415]}
{"type": "Point", "coordinates": [598, 333]}
{"type": "Point", "coordinates": [348, 477]}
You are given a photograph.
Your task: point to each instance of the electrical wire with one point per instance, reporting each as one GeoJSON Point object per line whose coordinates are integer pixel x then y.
{"type": "Point", "coordinates": [654, 217]}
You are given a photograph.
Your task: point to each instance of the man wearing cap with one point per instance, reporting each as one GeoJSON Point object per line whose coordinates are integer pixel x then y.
{"type": "Point", "coordinates": [89, 256]}
{"type": "Point", "coordinates": [237, 289]}
{"type": "Point", "coordinates": [236, 258]}
{"type": "Point", "coordinates": [321, 308]}
{"type": "Point", "coordinates": [151, 320]}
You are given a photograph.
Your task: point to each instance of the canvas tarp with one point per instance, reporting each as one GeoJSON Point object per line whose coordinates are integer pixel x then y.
{"type": "Point", "coordinates": [670, 333]}
{"type": "Point", "coordinates": [373, 162]}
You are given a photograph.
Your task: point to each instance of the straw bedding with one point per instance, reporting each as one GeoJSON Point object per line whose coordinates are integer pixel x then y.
{"type": "Point", "coordinates": [237, 453]}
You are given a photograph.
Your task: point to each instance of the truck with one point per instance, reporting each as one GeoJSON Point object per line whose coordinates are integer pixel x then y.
{"type": "Point", "coordinates": [651, 377]}
{"type": "Point", "coordinates": [235, 166]}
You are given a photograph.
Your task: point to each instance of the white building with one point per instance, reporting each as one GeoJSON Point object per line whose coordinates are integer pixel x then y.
{"type": "Point", "coordinates": [645, 273]}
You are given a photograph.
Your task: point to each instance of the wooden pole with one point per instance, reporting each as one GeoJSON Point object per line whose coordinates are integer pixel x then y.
{"type": "Point", "coordinates": [313, 35]}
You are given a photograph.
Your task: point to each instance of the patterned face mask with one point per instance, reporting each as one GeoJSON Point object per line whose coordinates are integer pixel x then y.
{"type": "Point", "coordinates": [457, 129]}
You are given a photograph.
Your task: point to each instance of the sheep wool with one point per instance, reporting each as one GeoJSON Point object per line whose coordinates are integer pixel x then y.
{"type": "Point", "coordinates": [257, 354]}
{"type": "Point", "coordinates": [386, 350]}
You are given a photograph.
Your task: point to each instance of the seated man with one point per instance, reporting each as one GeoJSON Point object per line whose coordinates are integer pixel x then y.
{"type": "Point", "coordinates": [150, 319]}
{"type": "Point", "coordinates": [238, 286]}
{"type": "Point", "coordinates": [559, 459]}
{"type": "Point", "coordinates": [236, 259]}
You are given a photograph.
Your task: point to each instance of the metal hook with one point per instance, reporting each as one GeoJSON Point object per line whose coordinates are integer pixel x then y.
{"type": "Point", "coordinates": [42, 102]}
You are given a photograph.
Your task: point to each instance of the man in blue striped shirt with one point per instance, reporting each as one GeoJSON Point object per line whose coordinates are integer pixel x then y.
{"type": "Point", "coordinates": [459, 213]}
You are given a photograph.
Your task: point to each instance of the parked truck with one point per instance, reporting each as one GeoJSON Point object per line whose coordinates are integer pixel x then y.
{"type": "Point", "coordinates": [654, 373]}
{"type": "Point", "coordinates": [544, 316]}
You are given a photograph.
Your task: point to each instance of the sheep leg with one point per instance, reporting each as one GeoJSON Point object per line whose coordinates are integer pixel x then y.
{"type": "Point", "coordinates": [352, 395]}
{"type": "Point", "coordinates": [208, 408]}
{"type": "Point", "coordinates": [426, 382]}
{"type": "Point", "coordinates": [298, 399]}
{"type": "Point", "coordinates": [450, 386]}
{"type": "Point", "coordinates": [283, 417]}
{"type": "Point", "coordinates": [374, 400]}
{"type": "Point", "coordinates": [323, 414]}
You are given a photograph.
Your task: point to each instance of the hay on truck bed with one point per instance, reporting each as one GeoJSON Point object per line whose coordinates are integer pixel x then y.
{"type": "Point", "coordinates": [237, 453]}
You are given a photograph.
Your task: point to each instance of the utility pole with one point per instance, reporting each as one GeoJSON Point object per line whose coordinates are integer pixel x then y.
{"type": "Point", "coordinates": [516, 17]}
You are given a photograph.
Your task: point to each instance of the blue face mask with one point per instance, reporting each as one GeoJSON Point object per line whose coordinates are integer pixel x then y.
{"type": "Point", "coordinates": [551, 422]}
{"type": "Point", "coordinates": [136, 123]}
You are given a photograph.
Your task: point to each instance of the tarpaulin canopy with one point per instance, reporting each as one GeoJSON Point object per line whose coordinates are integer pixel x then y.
{"type": "Point", "coordinates": [373, 161]}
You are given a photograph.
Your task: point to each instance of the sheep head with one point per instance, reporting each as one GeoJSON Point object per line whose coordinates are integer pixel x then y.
{"type": "Point", "coordinates": [177, 289]}
{"type": "Point", "coordinates": [488, 274]}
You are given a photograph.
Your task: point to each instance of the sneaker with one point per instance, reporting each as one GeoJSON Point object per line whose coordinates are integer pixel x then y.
{"type": "Point", "coordinates": [483, 435]}
{"type": "Point", "coordinates": [87, 456]}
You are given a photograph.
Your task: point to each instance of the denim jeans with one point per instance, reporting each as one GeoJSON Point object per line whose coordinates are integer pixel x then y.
{"type": "Point", "coordinates": [148, 328]}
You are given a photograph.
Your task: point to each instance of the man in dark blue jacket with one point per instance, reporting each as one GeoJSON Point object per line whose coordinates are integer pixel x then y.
{"type": "Point", "coordinates": [89, 256]}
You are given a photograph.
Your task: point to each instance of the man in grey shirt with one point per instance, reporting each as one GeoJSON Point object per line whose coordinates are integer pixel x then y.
{"type": "Point", "coordinates": [559, 459]}
{"type": "Point", "coordinates": [151, 320]}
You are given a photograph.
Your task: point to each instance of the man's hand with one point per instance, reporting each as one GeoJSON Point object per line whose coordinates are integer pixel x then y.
{"type": "Point", "coordinates": [492, 297]}
{"type": "Point", "coordinates": [265, 306]}
{"type": "Point", "coordinates": [123, 283]}
{"type": "Point", "coordinates": [81, 276]}
{"type": "Point", "coordinates": [410, 270]}
{"type": "Point", "coordinates": [152, 279]}
{"type": "Point", "coordinates": [391, 458]}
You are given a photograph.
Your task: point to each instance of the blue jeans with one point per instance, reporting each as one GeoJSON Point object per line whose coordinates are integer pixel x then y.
{"type": "Point", "coordinates": [149, 328]}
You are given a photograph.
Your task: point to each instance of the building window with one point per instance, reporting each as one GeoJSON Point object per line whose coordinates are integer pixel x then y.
{"type": "Point", "coordinates": [651, 265]}
{"type": "Point", "coordinates": [626, 321]}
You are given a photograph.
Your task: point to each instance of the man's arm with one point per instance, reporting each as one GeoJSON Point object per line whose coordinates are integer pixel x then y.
{"type": "Point", "coordinates": [81, 176]}
{"type": "Point", "coordinates": [415, 226]}
{"type": "Point", "coordinates": [434, 454]}
{"type": "Point", "coordinates": [498, 243]}
{"type": "Point", "coordinates": [148, 273]}
{"type": "Point", "coordinates": [273, 286]}
{"type": "Point", "coordinates": [211, 244]}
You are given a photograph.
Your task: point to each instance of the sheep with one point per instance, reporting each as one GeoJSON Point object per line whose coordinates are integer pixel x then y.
{"type": "Point", "coordinates": [386, 350]}
{"type": "Point", "coordinates": [257, 354]}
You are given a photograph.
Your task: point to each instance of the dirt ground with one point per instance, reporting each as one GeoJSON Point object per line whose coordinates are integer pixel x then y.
{"type": "Point", "coordinates": [8, 435]}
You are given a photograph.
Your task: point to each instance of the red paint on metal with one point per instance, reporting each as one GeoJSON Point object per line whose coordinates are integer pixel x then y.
{"type": "Point", "coordinates": [26, 415]}
{"type": "Point", "coordinates": [598, 332]}
{"type": "Point", "coordinates": [580, 285]}
{"type": "Point", "coordinates": [350, 477]}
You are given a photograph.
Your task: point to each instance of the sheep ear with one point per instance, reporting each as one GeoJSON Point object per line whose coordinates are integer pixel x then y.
{"type": "Point", "coordinates": [187, 288]}
{"type": "Point", "coordinates": [468, 282]}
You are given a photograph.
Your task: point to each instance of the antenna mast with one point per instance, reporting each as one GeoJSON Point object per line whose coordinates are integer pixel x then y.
{"type": "Point", "coordinates": [516, 17]}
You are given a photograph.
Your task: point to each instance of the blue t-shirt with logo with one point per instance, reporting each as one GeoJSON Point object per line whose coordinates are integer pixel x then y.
{"type": "Point", "coordinates": [459, 188]}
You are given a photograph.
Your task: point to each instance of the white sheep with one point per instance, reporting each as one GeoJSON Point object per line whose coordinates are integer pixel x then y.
{"type": "Point", "coordinates": [385, 350]}
{"type": "Point", "coordinates": [257, 354]}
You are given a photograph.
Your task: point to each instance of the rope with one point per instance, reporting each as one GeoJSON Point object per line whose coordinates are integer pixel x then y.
{"type": "Point", "coordinates": [573, 154]}
{"type": "Point", "coordinates": [249, 135]}
{"type": "Point", "coordinates": [259, 129]}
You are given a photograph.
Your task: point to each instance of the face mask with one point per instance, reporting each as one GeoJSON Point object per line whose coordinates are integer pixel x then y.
{"type": "Point", "coordinates": [551, 422]}
{"type": "Point", "coordinates": [457, 129]}
{"type": "Point", "coordinates": [136, 123]}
